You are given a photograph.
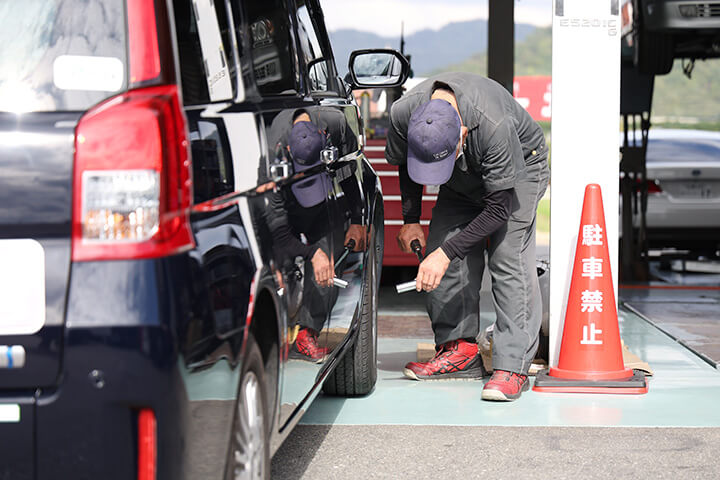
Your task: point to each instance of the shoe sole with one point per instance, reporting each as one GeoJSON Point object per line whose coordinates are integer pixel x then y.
{"type": "Point", "coordinates": [471, 374]}
{"type": "Point", "coordinates": [498, 396]}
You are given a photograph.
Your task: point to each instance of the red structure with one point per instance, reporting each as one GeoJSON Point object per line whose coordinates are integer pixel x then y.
{"type": "Point", "coordinates": [534, 94]}
{"type": "Point", "coordinates": [375, 151]}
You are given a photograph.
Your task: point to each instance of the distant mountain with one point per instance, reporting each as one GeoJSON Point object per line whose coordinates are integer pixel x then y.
{"type": "Point", "coordinates": [430, 49]}
{"type": "Point", "coordinates": [674, 96]}
{"type": "Point", "coordinates": [532, 56]}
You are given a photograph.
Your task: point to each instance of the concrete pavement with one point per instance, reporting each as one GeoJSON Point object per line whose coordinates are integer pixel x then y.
{"type": "Point", "coordinates": [425, 452]}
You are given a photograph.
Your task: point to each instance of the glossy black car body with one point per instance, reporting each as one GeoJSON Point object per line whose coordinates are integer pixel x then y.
{"type": "Point", "coordinates": [201, 338]}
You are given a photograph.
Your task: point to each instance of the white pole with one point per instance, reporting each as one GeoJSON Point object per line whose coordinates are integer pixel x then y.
{"type": "Point", "coordinates": [585, 136]}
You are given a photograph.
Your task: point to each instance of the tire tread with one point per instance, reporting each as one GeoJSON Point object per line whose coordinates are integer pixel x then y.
{"type": "Point", "coordinates": [356, 373]}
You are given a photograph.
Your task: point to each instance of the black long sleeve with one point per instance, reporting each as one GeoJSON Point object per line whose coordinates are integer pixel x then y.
{"type": "Point", "coordinates": [411, 194]}
{"type": "Point", "coordinates": [351, 189]}
{"type": "Point", "coordinates": [287, 244]}
{"type": "Point", "coordinates": [492, 217]}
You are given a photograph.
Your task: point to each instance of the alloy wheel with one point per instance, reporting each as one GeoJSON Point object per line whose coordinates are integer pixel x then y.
{"type": "Point", "coordinates": [249, 437]}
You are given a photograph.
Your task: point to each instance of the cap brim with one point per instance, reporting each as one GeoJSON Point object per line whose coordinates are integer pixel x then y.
{"type": "Point", "coordinates": [436, 173]}
{"type": "Point", "coordinates": [301, 167]}
{"type": "Point", "coordinates": [312, 191]}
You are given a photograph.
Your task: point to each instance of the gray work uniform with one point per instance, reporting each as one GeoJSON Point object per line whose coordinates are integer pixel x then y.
{"type": "Point", "coordinates": [505, 149]}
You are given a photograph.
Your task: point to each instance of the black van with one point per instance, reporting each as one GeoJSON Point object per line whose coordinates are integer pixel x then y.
{"type": "Point", "coordinates": [190, 234]}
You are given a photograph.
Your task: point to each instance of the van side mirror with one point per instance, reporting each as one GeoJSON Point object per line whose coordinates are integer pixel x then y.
{"type": "Point", "coordinates": [377, 68]}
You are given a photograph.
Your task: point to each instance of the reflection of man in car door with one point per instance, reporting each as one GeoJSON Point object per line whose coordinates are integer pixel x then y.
{"type": "Point", "coordinates": [334, 125]}
{"type": "Point", "coordinates": [308, 216]}
{"type": "Point", "coordinates": [320, 127]}
{"type": "Point", "coordinates": [298, 219]}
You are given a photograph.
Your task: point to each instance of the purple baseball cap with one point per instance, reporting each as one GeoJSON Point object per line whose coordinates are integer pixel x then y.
{"type": "Point", "coordinates": [305, 142]}
{"type": "Point", "coordinates": [433, 136]}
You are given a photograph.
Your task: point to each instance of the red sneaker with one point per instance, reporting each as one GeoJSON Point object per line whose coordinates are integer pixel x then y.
{"type": "Point", "coordinates": [505, 386]}
{"type": "Point", "coordinates": [456, 359]}
{"type": "Point", "coordinates": [306, 346]}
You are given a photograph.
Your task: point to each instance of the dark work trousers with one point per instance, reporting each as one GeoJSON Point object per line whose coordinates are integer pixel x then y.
{"type": "Point", "coordinates": [454, 307]}
{"type": "Point", "coordinates": [317, 301]}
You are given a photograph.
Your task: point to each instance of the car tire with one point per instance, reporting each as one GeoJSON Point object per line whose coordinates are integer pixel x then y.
{"type": "Point", "coordinates": [250, 448]}
{"type": "Point", "coordinates": [653, 51]}
{"type": "Point", "coordinates": [356, 372]}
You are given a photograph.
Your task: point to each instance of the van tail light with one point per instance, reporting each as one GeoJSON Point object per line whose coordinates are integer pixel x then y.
{"type": "Point", "coordinates": [653, 187]}
{"type": "Point", "coordinates": [143, 41]}
{"type": "Point", "coordinates": [132, 184]}
{"type": "Point", "coordinates": [147, 445]}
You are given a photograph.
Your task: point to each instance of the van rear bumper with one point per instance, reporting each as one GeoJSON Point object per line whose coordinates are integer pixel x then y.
{"type": "Point", "coordinates": [87, 427]}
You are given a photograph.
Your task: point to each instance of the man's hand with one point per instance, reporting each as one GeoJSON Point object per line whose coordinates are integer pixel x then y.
{"type": "Point", "coordinates": [357, 233]}
{"type": "Point", "coordinates": [431, 271]}
{"type": "Point", "coordinates": [279, 279]}
{"type": "Point", "coordinates": [323, 268]}
{"type": "Point", "coordinates": [408, 233]}
{"type": "Point", "coordinates": [265, 187]}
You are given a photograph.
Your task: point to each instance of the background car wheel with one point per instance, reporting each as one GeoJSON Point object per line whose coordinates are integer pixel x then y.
{"type": "Point", "coordinates": [654, 53]}
{"type": "Point", "coordinates": [249, 447]}
{"type": "Point", "coordinates": [356, 372]}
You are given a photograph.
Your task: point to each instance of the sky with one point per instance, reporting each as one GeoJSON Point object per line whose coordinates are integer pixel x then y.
{"type": "Point", "coordinates": [383, 17]}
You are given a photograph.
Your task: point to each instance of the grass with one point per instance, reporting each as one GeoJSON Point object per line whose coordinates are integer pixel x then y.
{"type": "Point", "coordinates": [543, 216]}
{"type": "Point", "coordinates": [545, 125]}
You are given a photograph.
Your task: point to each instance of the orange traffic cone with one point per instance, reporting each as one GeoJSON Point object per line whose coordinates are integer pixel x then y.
{"type": "Point", "coordinates": [590, 353]}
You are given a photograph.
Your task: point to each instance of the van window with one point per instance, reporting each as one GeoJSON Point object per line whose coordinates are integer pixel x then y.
{"type": "Point", "coordinates": [212, 165]}
{"type": "Point", "coordinates": [317, 61]}
{"type": "Point", "coordinates": [54, 59]}
{"type": "Point", "coordinates": [268, 33]}
{"type": "Point", "coordinates": [207, 67]}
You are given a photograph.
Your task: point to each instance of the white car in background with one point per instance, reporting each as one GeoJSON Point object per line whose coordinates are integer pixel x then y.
{"type": "Point", "coordinates": [683, 171]}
